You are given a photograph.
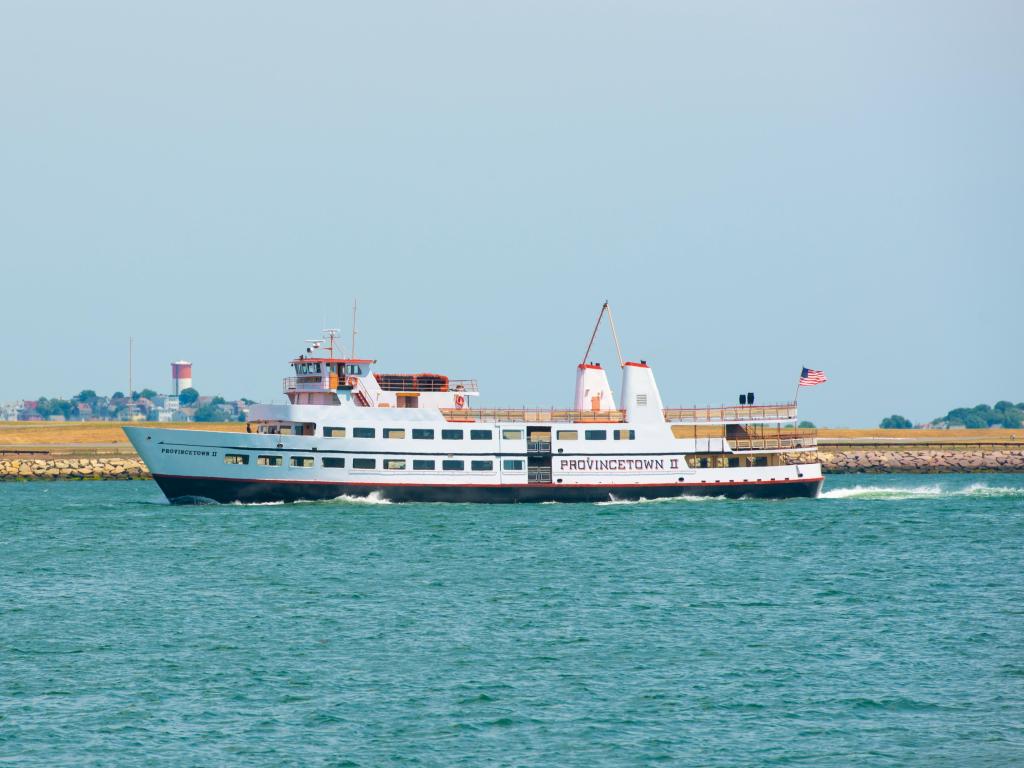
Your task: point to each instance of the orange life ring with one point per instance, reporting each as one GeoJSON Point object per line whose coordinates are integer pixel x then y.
{"type": "Point", "coordinates": [460, 401]}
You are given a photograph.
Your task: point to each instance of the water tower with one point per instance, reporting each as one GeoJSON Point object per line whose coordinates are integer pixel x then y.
{"type": "Point", "coordinates": [181, 376]}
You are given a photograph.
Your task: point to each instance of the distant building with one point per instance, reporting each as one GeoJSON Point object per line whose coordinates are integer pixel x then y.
{"type": "Point", "coordinates": [9, 411]}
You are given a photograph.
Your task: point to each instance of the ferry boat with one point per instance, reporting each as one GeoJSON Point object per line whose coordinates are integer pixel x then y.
{"type": "Point", "coordinates": [348, 431]}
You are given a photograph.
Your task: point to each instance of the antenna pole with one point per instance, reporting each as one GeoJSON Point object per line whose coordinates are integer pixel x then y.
{"type": "Point", "coordinates": [615, 335]}
{"type": "Point", "coordinates": [354, 304]}
{"type": "Point", "coordinates": [131, 400]}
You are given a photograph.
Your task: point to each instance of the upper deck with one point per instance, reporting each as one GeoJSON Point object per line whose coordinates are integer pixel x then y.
{"type": "Point", "coordinates": [726, 414]}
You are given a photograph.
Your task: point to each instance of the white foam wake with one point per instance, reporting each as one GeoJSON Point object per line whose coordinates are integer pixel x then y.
{"type": "Point", "coordinates": [661, 500]}
{"type": "Point", "coordinates": [882, 492]}
{"type": "Point", "coordinates": [373, 498]}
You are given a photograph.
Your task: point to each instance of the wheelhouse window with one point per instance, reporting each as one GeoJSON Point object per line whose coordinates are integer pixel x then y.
{"type": "Point", "coordinates": [236, 458]}
{"type": "Point", "coordinates": [453, 465]}
{"type": "Point", "coordinates": [364, 463]}
{"type": "Point", "coordinates": [625, 434]}
{"type": "Point", "coordinates": [394, 463]}
{"type": "Point", "coordinates": [423, 434]}
{"type": "Point", "coordinates": [334, 431]}
{"type": "Point", "coordinates": [595, 434]}
{"type": "Point", "coordinates": [391, 433]}
{"type": "Point", "coordinates": [268, 461]}
{"type": "Point", "coordinates": [512, 465]}
{"type": "Point", "coordinates": [568, 434]}
{"type": "Point", "coordinates": [302, 461]}
{"type": "Point", "coordinates": [331, 462]}
{"type": "Point", "coordinates": [481, 434]}
{"type": "Point", "coordinates": [423, 464]}
{"type": "Point", "coordinates": [451, 434]}
{"type": "Point", "coordinates": [481, 466]}
{"type": "Point", "coordinates": [364, 432]}
{"type": "Point", "coordinates": [512, 434]}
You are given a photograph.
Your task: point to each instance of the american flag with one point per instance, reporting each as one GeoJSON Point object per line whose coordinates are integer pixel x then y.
{"type": "Point", "coordinates": [810, 377]}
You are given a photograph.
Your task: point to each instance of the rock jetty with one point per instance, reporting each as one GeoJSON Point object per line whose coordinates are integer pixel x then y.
{"type": "Point", "coordinates": [853, 461]}
{"type": "Point", "coordinates": [114, 468]}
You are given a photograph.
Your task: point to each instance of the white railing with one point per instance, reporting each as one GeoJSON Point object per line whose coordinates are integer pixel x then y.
{"type": "Point", "coordinates": [739, 414]}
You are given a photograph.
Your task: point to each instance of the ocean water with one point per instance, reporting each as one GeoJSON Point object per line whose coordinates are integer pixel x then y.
{"type": "Point", "coordinates": [881, 625]}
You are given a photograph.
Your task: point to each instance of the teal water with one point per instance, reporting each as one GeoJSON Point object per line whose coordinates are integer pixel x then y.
{"type": "Point", "coordinates": [880, 625]}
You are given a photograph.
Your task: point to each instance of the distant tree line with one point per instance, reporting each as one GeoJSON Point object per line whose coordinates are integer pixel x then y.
{"type": "Point", "coordinates": [100, 406]}
{"type": "Point", "coordinates": [1002, 414]}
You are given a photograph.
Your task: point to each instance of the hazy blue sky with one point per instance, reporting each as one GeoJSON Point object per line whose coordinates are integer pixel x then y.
{"type": "Point", "coordinates": [755, 186]}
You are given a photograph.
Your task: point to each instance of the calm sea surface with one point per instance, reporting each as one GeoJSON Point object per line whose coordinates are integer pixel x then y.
{"type": "Point", "coordinates": [880, 625]}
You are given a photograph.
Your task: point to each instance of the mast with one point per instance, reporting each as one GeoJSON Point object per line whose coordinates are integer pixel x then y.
{"type": "Point", "coordinates": [353, 350]}
{"type": "Point", "coordinates": [618, 350]}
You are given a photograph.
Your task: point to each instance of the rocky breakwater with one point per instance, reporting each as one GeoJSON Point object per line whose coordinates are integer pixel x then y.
{"type": "Point", "coordinates": [835, 461]}
{"type": "Point", "coordinates": [114, 468]}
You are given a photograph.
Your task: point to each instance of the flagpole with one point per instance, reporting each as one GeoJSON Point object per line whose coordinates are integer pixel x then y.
{"type": "Point", "coordinates": [796, 394]}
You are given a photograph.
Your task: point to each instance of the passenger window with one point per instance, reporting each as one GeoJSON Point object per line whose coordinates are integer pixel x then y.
{"type": "Point", "coordinates": [423, 434]}
{"type": "Point", "coordinates": [512, 434]}
{"type": "Point", "coordinates": [595, 434]}
{"type": "Point", "coordinates": [333, 463]}
{"type": "Point", "coordinates": [236, 458]}
{"type": "Point", "coordinates": [394, 434]}
{"type": "Point", "coordinates": [481, 434]}
{"type": "Point", "coordinates": [482, 466]}
{"type": "Point", "coordinates": [451, 434]}
{"type": "Point", "coordinates": [625, 434]}
{"type": "Point", "coordinates": [364, 463]}
{"type": "Point", "coordinates": [453, 465]}
{"type": "Point", "coordinates": [364, 432]}
{"type": "Point", "coordinates": [513, 465]}
{"type": "Point", "coordinates": [394, 463]}
{"type": "Point", "coordinates": [423, 464]}
{"type": "Point", "coordinates": [568, 434]}
{"type": "Point", "coordinates": [268, 461]}
{"type": "Point", "coordinates": [302, 461]}
{"type": "Point", "coordinates": [334, 431]}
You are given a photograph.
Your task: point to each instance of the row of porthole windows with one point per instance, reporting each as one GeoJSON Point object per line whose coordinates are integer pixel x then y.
{"type": "Point", "coordinates": [336, 462]}
{"type": "Point", "coordinates": [395, 433]}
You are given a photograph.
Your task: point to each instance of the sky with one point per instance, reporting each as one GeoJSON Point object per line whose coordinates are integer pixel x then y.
{"type": "Point", "coordinates": [753, 186]}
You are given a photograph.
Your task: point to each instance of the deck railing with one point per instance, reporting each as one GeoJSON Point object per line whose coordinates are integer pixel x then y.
{"type": "Point", "coordinates": [783, 439]}
{"type": "Point", "coordinates": [731, 413]}
{"type": "Point", "coordinates": [539, 415]}
{"type": "Point", "coordinates": [304, 384]}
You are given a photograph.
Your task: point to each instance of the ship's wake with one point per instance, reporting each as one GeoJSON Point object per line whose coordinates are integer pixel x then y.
{"type": "Point", "coordinates": [612, 501]}
{"type": "Point", "coordinates": [895, 493]}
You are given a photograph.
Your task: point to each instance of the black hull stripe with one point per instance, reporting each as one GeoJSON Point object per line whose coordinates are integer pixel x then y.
{"type": "Point", "coordinates": [184, 489]}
